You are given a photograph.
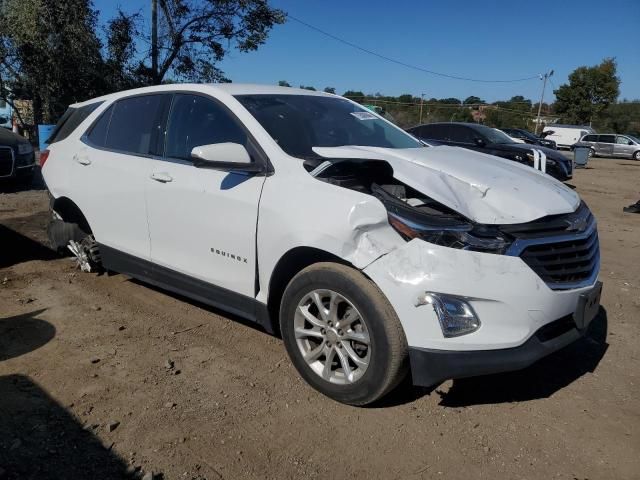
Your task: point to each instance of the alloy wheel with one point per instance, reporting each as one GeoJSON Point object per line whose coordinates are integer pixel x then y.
{"type": "Point", "coordinates": [332, 337]}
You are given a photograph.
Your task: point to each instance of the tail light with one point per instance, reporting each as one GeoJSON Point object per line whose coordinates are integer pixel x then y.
{"type": "Point", "coordinates": [44, 155]}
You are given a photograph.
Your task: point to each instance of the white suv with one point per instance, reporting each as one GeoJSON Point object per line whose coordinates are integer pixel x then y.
{"type": "Point", "coordinates": [371, 253]}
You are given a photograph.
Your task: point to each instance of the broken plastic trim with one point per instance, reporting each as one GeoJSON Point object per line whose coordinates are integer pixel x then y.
{"type": "Point", "coordinates": [445, 230]}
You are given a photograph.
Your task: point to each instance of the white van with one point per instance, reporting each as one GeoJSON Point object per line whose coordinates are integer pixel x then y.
{"type": "Point", "coordinates": [566, 136]}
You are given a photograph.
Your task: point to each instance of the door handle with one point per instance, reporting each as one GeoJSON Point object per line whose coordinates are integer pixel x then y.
{"type": "Point", "coordinates": [82, 160]}
{"type": "Point", "coordinates": [162, 177]}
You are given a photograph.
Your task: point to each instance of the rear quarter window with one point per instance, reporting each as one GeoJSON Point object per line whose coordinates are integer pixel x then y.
{"type": "Point", "coordinates": [71, 119]}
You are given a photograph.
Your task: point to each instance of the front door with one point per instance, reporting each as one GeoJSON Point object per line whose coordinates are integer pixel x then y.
{"type": "Point", "coordinates": [624, 147]}
{"type": "Point", "coordinates": [203, 221]}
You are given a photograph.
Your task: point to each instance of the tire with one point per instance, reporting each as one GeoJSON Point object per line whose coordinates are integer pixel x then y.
{"type": "Point", "coordinates": [368, 316]}
{"type": "Point", "coordinates": [592, 153]}
{"type": "Point", "coordinates": [636, 155]}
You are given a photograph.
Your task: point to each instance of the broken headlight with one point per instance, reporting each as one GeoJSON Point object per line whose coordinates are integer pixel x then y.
{"type": "Point", "coordinates": [478, 238]}
{"type": "Point", "coordinates": [434, 223]}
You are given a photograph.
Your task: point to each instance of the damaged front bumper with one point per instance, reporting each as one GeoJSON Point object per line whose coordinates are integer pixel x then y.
{"type": "Point", "coordinates": [521, 319]}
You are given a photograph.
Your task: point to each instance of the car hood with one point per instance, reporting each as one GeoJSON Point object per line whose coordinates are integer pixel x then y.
{"type": "Point", "coordinates": [549, 152]}
{"type": "Point", "coordinates": [483, 188]}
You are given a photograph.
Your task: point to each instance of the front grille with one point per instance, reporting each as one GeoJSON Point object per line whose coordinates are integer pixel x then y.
{"type": "Point", "coordinates": [6, 161]}
{"type": "Point", "coordinates": [563, 250]}
{"type": "Point", "coordinates": [565, 264]}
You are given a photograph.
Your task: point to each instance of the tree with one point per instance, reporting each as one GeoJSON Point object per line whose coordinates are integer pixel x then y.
{"type": "Point", "coordinates": [473, 100]}
{"type": "Point", "coordinates": [589, 92]}
{"type": "Point", "coordinates": [52, 54]}
{"type": "Point", "coordinates": [119, 64]}
{"type": "Point", "coordinates": [329, 90]}
{"type": "Point", "coordinates": [283, 83]}
{"type": "Point", "coordinates": [196, 34]}
{"type": "Point", "coordinates": [355, 95]}
{"type": "Point", "coordinates": [307, 88]}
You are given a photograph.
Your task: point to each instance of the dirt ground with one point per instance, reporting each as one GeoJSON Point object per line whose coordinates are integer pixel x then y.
{"type": "Point", "coordinates": [100, 374]}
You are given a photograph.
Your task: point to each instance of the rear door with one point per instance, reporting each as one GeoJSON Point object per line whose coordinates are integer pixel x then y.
{"type": "Point", "coordinates": [605, 145]}
{"type": "Point", "coordinates": [203, 221]}
{"type": "Point", "coordinates": [110, 171]}
{"type": "Point", "coordinates": [623, 147]}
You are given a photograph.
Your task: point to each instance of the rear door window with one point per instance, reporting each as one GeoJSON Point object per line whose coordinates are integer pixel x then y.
{"type": "Point", "coordinates": [590, 138]}
{"type": "Point", "coordinates": [607, 139]}
{"type": "Point", "coordinates": [195, 121]}
{"type": "Point", "coordinates": [70, 121]}
{"type": "Point", "coordinates": [134, 123]}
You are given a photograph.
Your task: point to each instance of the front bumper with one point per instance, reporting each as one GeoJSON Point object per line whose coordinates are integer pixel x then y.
{"type": "Point", "coordinates": [431, 367]}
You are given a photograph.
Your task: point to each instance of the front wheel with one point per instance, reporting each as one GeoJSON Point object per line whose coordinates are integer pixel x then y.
{"type": "Point", "coordinates": [636, 156]}
{"type": "Point", "coordinates": [342, 334]}
{"type": "Point", "coordinates": [591, 152]}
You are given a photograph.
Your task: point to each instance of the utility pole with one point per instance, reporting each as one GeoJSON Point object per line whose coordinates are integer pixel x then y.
{"type": "Point", "coordinates": [154, 40]}
{"type": "Point", "coordinates": [544, 77]}
{"type": "Point", "coordinates": [421, 102]}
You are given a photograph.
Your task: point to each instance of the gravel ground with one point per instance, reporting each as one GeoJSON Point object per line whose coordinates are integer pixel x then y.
{"type": "Point", "coordinates": [103, 377]}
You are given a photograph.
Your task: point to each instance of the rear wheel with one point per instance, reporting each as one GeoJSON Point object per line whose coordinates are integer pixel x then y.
{"type": "Point", "coordinates": [636, 156]}
{"type": "Point", "coordinates": [342, 335]}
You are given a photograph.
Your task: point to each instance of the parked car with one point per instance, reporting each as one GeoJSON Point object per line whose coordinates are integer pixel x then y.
{"type": "Point", "coordinates": [372, 254]}
{"type": "Point", "coordinates": [566, 135]}
{"type": "Point", "coordinates": [528, 137]}
{"type": "Point", "coordinates": [493, 142]}
{"type": "Point", "coordinates": [17, 158]}
{"type": "Point", "coordinates": [611, 145]}
{"type": "Point", "coordinates": [516, 140]}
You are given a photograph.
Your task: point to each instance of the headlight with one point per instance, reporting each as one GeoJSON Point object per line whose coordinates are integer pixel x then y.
{"type": "Point", "coordinates": [478, 238]}
{"type": "Point", "coordinates": [24, 148]}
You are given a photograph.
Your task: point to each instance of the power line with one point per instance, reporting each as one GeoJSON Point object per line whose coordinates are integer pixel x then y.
{"type": "Point", "coordinates": [407, 65]}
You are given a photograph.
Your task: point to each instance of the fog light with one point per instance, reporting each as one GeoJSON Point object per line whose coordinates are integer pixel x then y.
{"type": "Point", "coordinates": [456, 316]}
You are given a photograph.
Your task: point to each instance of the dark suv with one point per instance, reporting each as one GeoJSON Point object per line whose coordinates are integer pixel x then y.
{"type": "Point", "coordinates": [17, 158]}
{"type": "Point", "coordinates": [493, 142]}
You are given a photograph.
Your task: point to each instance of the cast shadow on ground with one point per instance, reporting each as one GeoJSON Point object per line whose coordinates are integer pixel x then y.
{"type": "Point", "coordinates": [540, 380]}
{"type": "Point", "coordinates": [42, 440]}
{"type": "Point", "coordinates": [22, 334]}
{"type": "Point", "coordinates": [17, 248]}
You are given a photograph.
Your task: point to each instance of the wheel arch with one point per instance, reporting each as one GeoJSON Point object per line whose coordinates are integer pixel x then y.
{"type": "Point", "coordinates": [70, 213]}
{"type": "Point", "coordinates": [292, 262]}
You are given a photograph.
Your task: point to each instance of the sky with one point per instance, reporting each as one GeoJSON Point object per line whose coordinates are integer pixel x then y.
{"type": "Point", "coordinates": [495, 40]}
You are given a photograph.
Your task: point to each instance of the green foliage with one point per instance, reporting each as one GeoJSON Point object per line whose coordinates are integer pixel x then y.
{"type": "Point", "coordinates": [473, 100]}
{"type": "Point", "coordinates": [354, 95]}
{"type": "Point", "coordinates": [589, 92]}
{"type": "Point", "coordinates": [329, 90]}
{"type": "Point", "coordinates": [283, 83]}
{"type": "Point", "coordinates": [308, 88]}
{"type": "Point", "coordinates": [621, 117]}
{"type": "Point", "coordinates": [55, 54]}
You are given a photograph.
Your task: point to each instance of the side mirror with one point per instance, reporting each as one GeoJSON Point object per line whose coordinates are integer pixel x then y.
{"type": "Point", "coordinates": [479, 142]}
{"type": "Point", "coordinates": [223, 156]}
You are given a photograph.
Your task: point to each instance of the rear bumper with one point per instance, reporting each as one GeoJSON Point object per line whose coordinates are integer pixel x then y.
{"type": "Point", "coordinates": [430, 367]}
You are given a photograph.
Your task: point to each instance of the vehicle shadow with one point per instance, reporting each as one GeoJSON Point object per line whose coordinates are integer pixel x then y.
{"type": "Point", "coordinates": [41, 439]}
{"type": "Point", "coordinates": [18, 248]}
{"type": "Point", "coordinates": [540, 380]}
{"type": "Point", "coordinates": [22, 334]}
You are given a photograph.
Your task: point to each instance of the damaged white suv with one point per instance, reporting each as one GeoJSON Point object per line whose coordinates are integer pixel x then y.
{"type": "Point", "coordinates": [372, 254]}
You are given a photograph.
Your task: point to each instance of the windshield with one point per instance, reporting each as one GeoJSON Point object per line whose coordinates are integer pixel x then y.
{"type": "Point", "coordinates": [635, 139]}
{"type": "Point", "coordinates": [300, 122]}
{"type": "Point", "coordinates": [493, 135]}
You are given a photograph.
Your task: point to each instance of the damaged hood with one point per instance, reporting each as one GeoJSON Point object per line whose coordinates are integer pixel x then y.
{"type": "Point", "coordinates": [483, 188]}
